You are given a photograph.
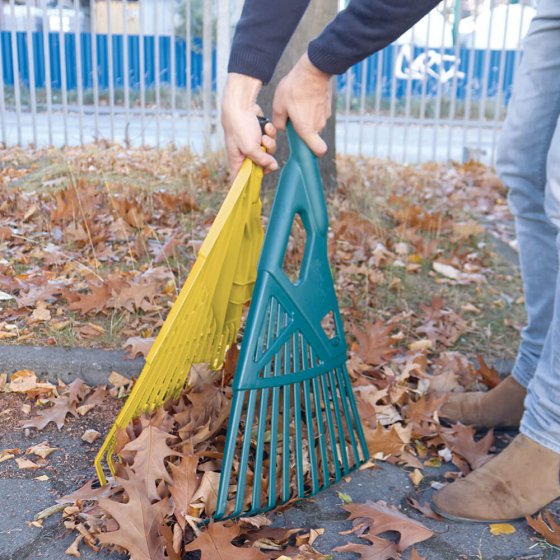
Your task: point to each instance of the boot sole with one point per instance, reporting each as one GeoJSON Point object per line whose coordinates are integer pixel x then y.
{"type": "Point", "coordinates": [459, 518]}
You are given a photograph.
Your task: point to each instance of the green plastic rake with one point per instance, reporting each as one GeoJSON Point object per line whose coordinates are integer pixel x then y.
{"type": "Point", "coordinates": [294, 428]}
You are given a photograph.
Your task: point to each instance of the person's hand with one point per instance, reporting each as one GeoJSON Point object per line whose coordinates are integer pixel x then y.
{"type": "Point", "coordinates": [304, 97]}
{"type": "Point", "coordinates": [243, 136]}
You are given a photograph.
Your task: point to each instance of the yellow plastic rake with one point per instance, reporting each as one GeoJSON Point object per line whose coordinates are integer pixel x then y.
{"type": "Point", "coordinates": [206, 317]}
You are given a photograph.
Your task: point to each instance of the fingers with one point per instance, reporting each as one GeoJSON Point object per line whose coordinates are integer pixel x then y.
{"type": "Point", "coordinates": [316, 144]}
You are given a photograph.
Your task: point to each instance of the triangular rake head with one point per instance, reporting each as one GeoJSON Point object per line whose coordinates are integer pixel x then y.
{"type": "Point", "coordinates": [294, 428]}
{"type": "Point", "coordinates": [205, 319]}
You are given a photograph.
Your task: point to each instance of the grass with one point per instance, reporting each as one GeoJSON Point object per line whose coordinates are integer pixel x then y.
{"type": "Point", "coordinates": [365, 186]}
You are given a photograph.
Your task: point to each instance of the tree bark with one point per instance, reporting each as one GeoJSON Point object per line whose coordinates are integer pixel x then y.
{"type": "Point", "coordinates": [318, 15]}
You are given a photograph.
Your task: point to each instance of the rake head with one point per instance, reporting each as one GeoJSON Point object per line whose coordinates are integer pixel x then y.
{"type": "Point", "coordinates": [205, 319]}
{"type": "Point", "coordinates": [294, 428]}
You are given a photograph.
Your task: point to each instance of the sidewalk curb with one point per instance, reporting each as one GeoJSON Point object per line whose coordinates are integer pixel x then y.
{"type": "Point", "coordinates": [95, 365]}
{"type": "Point", "coordinates": [92, 365]}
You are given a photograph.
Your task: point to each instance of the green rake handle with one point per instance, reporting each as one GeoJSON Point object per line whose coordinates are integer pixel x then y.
{"type": "Point", "coordinates": [300, 192]}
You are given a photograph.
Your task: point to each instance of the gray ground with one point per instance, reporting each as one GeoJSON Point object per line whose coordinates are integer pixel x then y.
{"type": "Point", "coordinates": [21, 496]}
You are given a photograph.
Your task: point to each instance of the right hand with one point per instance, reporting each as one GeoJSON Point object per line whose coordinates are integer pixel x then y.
{"type": "Point", "coordinates": [304, 97]}
{"type": "Point", "coordinates": [243, 136]}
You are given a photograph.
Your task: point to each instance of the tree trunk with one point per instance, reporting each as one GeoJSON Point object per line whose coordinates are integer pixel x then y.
{"type": "Point", "coordinates": [318, 15]}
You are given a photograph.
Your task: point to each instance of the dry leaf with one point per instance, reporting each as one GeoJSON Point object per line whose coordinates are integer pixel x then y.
{"type": "Point", "coordinates": [138, 519]}
{"type": "Point", "coordinates": [26, 464]}
{"type": "Point", "coordinates": [545, 525]}
{"type": "Point", "coordinates": [501, 529]}
{"type": "Point", "coordinates": [90, 436]}
{"type": "Point", "coordinates": [381, 518]}
{"type": "Point", "coordinates": [380, 549]}
{"type": "Point", "coordinates": [42, 450]}
{"type": "Point", "coordinates": [207, 492]}
{"type": "Point", "coordinates": [151, 451]}
{"type": "Point", "coordinates": [215, 544]}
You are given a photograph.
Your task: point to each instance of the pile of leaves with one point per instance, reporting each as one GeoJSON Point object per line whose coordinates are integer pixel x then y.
{"type": "Point", "coordinates": [167, 485]}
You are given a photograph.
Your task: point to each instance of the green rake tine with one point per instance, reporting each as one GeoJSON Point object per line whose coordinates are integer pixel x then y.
{"type": "Point", "coordinates": [320, 425]}
{"type": "Point", "coordinates": [259, 452]}
{"type": "Point", "coordinates": [349, 425]}
{"type": "Point", "coordinates": [286, 443]}
{"type": "Point", "coordinates": [297, 421]}
{"type": "Point", "coordinates": [244, 461]}
{"type": "Point", "coordinates": [330, 426]}
{"type": "Point", "coordinates": [274, 420]}
{"type": "Point", "coordinates": [356, 417]}
{"type": "Point", "coordinates": [309, 422]}
{"type": "Point", "coordinates": [229, 451]}
{"type": "Point", "coordinates": [320, 429]}
{"type": "Point", "coordinates": [342, 437]}
{"type": "Point", "coordinates": [298, 440]}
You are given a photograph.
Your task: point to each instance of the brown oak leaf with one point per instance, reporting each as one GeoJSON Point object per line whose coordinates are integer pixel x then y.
{"type": "Point", "coordinates": [138, 345]}
{"type": "Point", "coordinates": [386, 441]}
{"type": "Point", "coordinates": [382, 517]}
{"type": "Point", "coordinates": [215, 544]}
{"type": "Point", "coordinates": [185, 482]}
{"type": "Point", "coordinates": [380, 549]}
{"type": "Point", "coordinates": [545, 525]}
{"type": "Point", "coordinates": [149, 461]}
{"type": "Point", "coordinates": [139, 521]}
{"type": "Point", "coordinates": [460, 439]}
{"type": "Point", "coordinates": [56, 413]}
{"type": "Point", "coordinates": [374, 344]}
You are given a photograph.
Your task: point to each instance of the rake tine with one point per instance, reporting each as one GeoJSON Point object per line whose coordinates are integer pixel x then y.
{"type": "Point", "coordinates": [297, 420]}
{"type": "Point", "coordinates": [320, 429]}
{"type": "Point", "coordinates": [349, 424]}
{"type": "Point", "coordinates": [242, 477]}
{"type": "Point", "coordinates": [273, 447]}
{"type": "Point", "coordinates": [340, 427]}
{"type": "Point", "coordinates": [229, 451]}
{"type": "Point", "coordinates": [263, 413]}
{"type": "Point", "coordinates": [309, 422]}
{"type": "Point", "coordinates": [330, 426]}
{"type": "Point", "coordinates": [286, 443]}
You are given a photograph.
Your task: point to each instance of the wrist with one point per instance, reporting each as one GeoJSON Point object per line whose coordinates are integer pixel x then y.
{"type": "Point", "coordinates": [306, 66]}
{"type": "Point", "coordinates": [242, 90]}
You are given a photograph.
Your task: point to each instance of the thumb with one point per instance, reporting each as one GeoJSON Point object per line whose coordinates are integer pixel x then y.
{"type": "Point", "coordinates": [316, 144]}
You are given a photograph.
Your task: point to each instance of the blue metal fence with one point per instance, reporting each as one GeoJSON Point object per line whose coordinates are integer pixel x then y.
{"type": "Point", "coordinates": [102, 44]}
{"type": "Point", "coordinates": [486, 76]}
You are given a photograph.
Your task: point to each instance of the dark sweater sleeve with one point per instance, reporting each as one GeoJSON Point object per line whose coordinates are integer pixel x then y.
{"type": "Point", "coordinates": [261, 35]}
{"type": "Point", "coordinates": [362, 28]}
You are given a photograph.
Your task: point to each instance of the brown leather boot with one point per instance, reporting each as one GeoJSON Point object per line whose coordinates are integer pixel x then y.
{"type": "Point", "coordinates": [501, 407]}
{"type": "Point", "coordinates": [521, 480]}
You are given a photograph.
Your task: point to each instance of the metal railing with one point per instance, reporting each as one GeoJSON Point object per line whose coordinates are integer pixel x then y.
{"type": "Point", "coordinates": [152, 72]}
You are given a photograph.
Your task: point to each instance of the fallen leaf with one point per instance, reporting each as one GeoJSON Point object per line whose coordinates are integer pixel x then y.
{"type": "Point", "coordinates": [138, 519]}
{"type": "Point", "coordinates": [215, 544]}
{"type": "Point", "coordinates": [374, 344]}
{"type": "Point", "coordinates": [501, 529]}
{"type": "Point", "coordinates": [151, 450]}
{"type": "Point", "coordinates": [207, 492]}
{"type": "Point", "coordinates": [380, 549]}
{"type": "Point", "coordinates": [42, 450]}
{"type": "Point", "coordinates": [26, 464]}
{"type": "Point", "coordinates": [56, 413]}
{"type": "Point", "coordinates": [184, 483]}
{"type": "Point", "coordinates": [73, 549]}
{"type": "Point", "coordinates": [138, 345]}
{"type": "Point", "coordinates": [545, 525]}
{"type": "Point", "coordinates": [382, 517]}
{"type": "Point", "coordinates": [90, 436]}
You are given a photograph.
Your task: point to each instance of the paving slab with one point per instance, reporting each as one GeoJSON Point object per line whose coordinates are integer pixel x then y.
{"type": "Point", "coordinates": [451, 540]}
{"type": "Point", "coordinates": [92, 365]}
{"type": "Point", "coordinates": [20, 500]}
